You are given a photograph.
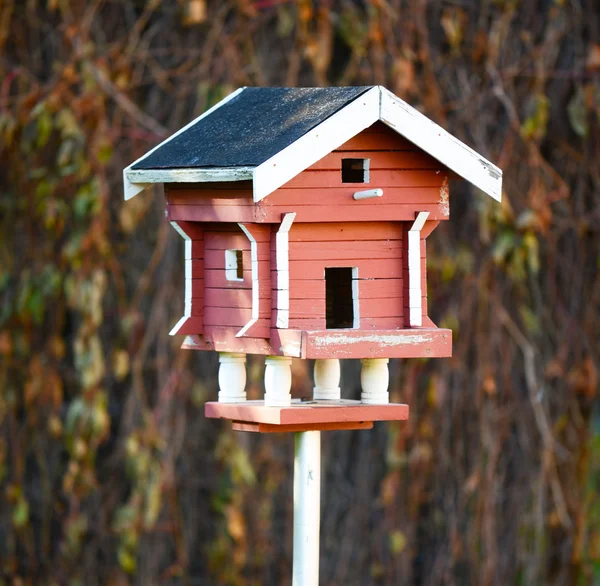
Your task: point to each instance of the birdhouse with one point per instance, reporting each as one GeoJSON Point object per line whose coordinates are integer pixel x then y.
{"type": "Point", "coordinates": [305, 214]}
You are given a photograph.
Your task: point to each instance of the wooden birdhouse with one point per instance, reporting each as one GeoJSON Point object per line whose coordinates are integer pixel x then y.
{"type": "Point", "coordinates": [305, 214]}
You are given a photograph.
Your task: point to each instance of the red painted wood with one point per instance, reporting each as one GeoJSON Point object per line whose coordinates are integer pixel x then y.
{"type": "Point", "coordinates": [405, 343]}
{"type": "Point", "coordinates": [378, 178]}
{"type": "Point", "coordinates": [318, 251]}
{"type": "Point", "coordinates": [210, 186]}
{"type": "Point", "coordinates": [193, 325]}
{"type": "Point", "coordinates": [380, 288]}
{"type": "Point", "coordinates": [306, 289]}
{"type": "Point", "coordinates": [270, 428]}
{"type": "Point", "coordinates": [215, 259]}
{"type": "Point", "coordinates": [368, 308]}
{"type": "Point", "coordinates": [228, 297]}
{"type": "Point", "coordinates": [428, 228]}
{"type": "Point", "coordinates": [380, 160]}
{"type": "Point", "coordinates": [367, 269]}
{"type": "Point", "coordinates": [352, 231]}
{"type": "Point", "coordinates": [225, 316]}
{"type": "Point", "coordinates": [367, 323]}
{"type": "Point", "coordinates": [215, 279]}
{"type": "Point", "coordinates": [218, 197]}
{"type": "Point", "coordinates": [380, 308]}
{"type": "Point", "coordinates": [269, 213]}
{"type": "Point", "coordinates": [374, 142]}
{"type": "Point", "coordinates": [226, 240]}
{"type": "Point", "coordinates": [197, 249]}
{"type": "Point", "coordinates": [198, 268]}
{"type": "Point", "coordinates": [342, 195]}
{"type": "Point", "coordinates": [192, 229]}
{"type": "Point", "coordinates": [209, 213]}
{"type": "Point", "coordinates": [302, 413]}
{"type": "Point", "coordinates": [332, 213]}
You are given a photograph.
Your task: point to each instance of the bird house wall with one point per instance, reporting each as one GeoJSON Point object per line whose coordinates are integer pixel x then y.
{"type": "Point", "coordinates": [228, 302]}
{"type": "Point", "coordinates": [376, 249]}
{"type": "Point", "coordinates": [411, 180]}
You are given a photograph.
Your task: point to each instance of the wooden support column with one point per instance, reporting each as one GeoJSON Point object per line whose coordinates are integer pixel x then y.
{"type": "Point", "coordinates": [232, 377]}
{"type": "Point", "coordinates": [374, 380]}
{"type": "Point", "coordinates": [278, 381]}
{"type": "Point", "coordinates": [327, 379]}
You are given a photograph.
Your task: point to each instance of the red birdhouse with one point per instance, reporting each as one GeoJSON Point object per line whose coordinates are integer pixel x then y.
{"type": "Point", "coordinates": [305, 214]}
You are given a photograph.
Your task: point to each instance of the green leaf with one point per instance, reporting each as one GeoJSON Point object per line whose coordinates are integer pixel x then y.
{"type": "Point", "coordinates": [20, 515]}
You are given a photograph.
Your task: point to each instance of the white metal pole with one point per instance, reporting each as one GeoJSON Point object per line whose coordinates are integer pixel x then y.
{"type": "Point", "coordinates": [307, 507]}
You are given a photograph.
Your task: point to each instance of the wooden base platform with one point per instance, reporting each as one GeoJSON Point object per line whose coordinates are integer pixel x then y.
{"type": "Point", "coordinates": [305, 415]}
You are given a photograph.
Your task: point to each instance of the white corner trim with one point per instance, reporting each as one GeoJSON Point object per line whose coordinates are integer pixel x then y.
{"type": "Point", "coordinates": [187, 311]}
{"type": "Point", "coordinates": [355, 299]}
{"type": "Point", "coordinates": [132, 187]}
{"type": "Point", "coordinates": [415, 293]}
{"type": "Point", "coordinates": [282, 259]}
{"type": "Point", "coordinates": [255, 289]}
{"type": "Point", "coordinates": [315, 144]}
{"type": "Point", "coordinates": [440, 144]}
{"type": "Point", "coordinates": [368, 194]}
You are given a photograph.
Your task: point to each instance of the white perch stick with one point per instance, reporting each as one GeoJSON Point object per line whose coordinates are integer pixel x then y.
{"type": "Point", "coordinates": [369, 193]}
{"type": "Point", "coordinates": [307, 508]}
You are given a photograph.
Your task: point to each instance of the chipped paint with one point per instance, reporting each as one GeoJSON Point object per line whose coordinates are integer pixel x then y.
{"type": "Point", "coordinates": [445, 197]}
{"type": "Point", "coordinates": [379, 339]}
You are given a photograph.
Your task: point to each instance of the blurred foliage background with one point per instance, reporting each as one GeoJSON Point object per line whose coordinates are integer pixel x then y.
{"type": "Point", "coordinates": [109, 473]}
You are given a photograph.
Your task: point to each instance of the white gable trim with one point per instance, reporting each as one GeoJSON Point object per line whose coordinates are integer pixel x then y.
{"type": "Point", "coordinates": [315, 144]}
{"type": "Point", "coordinates": [441, 145]}
{"type": "Point", "coordinates": [132, 186]}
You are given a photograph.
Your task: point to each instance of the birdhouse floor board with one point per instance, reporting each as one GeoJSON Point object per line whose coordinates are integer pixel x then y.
{"type": "Point", "coordinates": [404, 343]}
{"type": "Point", "coordinates": [306, 412]}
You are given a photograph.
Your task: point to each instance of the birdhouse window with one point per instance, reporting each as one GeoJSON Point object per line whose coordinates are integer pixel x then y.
{"type": "Point", "coordinates": [341, 297]}
{"type": "Point", "coordinates": [355, 170]}
{"type": "Point", "coordinates": [234, 265]}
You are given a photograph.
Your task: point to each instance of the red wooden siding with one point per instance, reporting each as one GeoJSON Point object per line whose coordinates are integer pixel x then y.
{"type": "Point", "coordinates": [411, 181]}
{"type": "Point", "coordinates": [376, 249]}
{"type": "Point", "coordinates": [217, 287]}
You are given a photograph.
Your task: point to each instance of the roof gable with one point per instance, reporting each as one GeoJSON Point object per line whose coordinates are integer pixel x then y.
{"type": "Point", "coordinates": [270, 135]}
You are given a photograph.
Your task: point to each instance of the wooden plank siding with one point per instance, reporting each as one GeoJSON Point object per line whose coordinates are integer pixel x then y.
{"type": "Point", "coordinates": [375, 248]}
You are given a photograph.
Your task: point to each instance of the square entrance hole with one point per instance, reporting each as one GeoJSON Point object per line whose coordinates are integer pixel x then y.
{"type": "Point", "coordinates": [340, 302]}
{"type": "Point", "coordinates": [355, 170]}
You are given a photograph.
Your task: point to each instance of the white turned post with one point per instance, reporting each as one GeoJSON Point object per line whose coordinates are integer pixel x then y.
{"type": "Point", "coordinates": [232, 377]}
{"type": "Point", "coordinates": [375, 379]}
{"type": "Point", "coordinates": [278, 381]}
{"type": "Point", "coordinates": [307, 508]}
{"type": "Point", "coordinates": [327, 379]}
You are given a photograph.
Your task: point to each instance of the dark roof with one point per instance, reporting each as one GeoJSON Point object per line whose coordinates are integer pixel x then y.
{"type": "Point", "coordinates": [250, 128]}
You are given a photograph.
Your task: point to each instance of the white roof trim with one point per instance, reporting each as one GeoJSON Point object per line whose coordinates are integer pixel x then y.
{"type": "Point", "coordinates": [441, 145]}
{"type": "Point", "coordinates": [133, 187]}
{"type": "Point", "coordinates": [375, 104]}
{"type": "Point", "coordinates": [315, 144]}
